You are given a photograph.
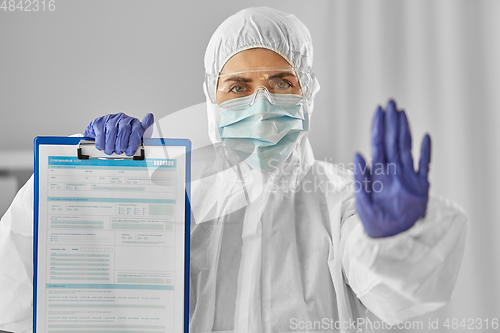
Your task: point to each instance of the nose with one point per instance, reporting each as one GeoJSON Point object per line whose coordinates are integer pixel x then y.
{"type": "Point", "coordinates": [261, 92]}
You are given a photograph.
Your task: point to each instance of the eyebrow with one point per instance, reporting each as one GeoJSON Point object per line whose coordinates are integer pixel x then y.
{"type": "Point", "coordinates": [244, 79]}
{"type": "Point", "coordinates": [238, 79]}
{"type": "Point", "coordinates": [281, 75]}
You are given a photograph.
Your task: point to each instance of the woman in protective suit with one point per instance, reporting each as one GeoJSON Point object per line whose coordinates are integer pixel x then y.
{"type": "Point", "coordinates": [279, 241]}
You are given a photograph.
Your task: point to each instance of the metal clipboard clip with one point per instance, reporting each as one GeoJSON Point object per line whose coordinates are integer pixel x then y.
{"type": "Point", "coordinates": [81, 156]}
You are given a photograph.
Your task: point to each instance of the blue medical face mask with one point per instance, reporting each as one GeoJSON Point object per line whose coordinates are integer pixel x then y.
{"type": "Point", "coordinates": [263, 134]}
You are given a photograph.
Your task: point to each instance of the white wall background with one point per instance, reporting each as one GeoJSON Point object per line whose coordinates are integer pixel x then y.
{"type": "Point", "coordinates": [439, 59]}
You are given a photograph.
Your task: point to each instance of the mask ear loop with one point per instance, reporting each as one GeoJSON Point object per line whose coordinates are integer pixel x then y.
{"type": "Point", "coordinates": [264, 91]}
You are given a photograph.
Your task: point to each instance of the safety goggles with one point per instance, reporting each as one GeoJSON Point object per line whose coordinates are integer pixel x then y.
{"type": "Point", "coordinates": [232, 85]}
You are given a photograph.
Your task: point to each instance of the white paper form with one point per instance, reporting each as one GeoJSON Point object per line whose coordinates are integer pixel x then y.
{"type": "Point", "coordinates": [111, 242]}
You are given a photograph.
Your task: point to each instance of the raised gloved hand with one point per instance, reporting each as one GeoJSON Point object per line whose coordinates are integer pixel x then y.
{"type": "Point", "coordinates": [118, 133]}
{"type": "Point", "coordinates": [390, 195]}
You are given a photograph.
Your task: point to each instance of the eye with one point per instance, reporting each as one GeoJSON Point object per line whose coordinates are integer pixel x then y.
{"type": "Point", "coordinates": [282, 84]}
{"type": "Point", "coordinates": [237, 88]}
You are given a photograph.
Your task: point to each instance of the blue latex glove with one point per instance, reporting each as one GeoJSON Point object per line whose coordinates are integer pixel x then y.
{"type": "Point", "coordinates": [390, 195]}
{"type": "Point", "coordinates": [118, 133]}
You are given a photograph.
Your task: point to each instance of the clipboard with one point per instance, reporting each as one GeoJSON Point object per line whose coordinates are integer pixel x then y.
{"type": "Point", "coordinates": [111, 237]}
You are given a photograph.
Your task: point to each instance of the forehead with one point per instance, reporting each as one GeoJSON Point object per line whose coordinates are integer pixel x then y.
{"type": "Point", "coordinates": [255, 58]}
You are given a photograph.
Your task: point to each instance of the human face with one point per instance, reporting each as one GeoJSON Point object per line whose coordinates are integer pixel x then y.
{"type": "Point", "coordinates": [280, 76]}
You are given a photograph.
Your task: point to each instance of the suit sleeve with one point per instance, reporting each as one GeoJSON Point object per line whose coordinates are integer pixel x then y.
{"type": "Point", "coordinates": [408, 274]}
{"type": "Point", "coordinates": [16, 263]}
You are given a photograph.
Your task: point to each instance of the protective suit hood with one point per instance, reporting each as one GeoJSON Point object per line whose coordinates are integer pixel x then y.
{"type": "Point", "coordinates": [260, 27]}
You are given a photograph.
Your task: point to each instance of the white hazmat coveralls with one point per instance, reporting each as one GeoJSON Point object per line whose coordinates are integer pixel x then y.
{"type": "Point", "coordinates": [275, 251]}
